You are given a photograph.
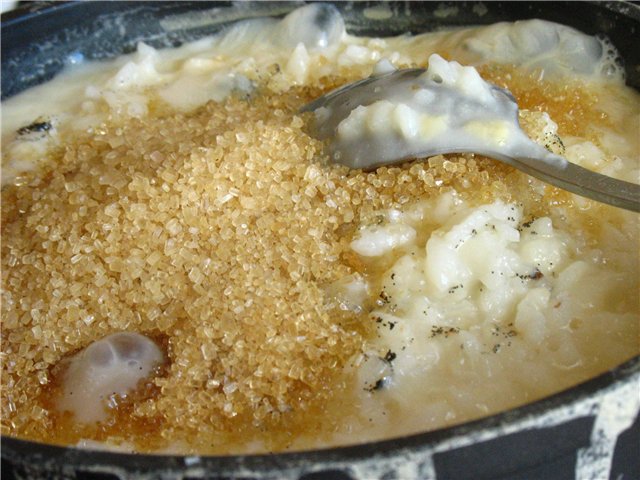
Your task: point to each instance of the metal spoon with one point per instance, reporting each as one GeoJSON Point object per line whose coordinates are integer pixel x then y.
{"type": "Point", "coordinates": [388, 145]}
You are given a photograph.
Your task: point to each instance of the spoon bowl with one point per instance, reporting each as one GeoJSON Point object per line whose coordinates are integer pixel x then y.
{"type": "Point", "coordinates": [396, 115]}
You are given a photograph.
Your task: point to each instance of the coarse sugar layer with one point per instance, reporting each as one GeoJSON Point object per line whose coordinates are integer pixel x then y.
{"type": "Point", "coordinates": [216, 229]}
{"type": "Point", "coordinates": [217, 233]}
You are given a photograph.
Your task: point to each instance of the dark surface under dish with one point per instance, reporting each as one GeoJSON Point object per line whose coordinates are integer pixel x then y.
{"type": "Point", "coordinates": [40, 38]}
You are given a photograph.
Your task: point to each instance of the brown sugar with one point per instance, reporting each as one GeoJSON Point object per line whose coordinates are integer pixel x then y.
{"type": "Point", "coordinates": [571, 104]}
{"type": "Point", "coordinates": [216, 232]}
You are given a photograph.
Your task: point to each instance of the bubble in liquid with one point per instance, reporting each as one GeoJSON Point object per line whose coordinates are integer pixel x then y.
{"type": "Point", "coordinates": [316, 25]}
{"type": "Point", "coordinates": [109, 367]}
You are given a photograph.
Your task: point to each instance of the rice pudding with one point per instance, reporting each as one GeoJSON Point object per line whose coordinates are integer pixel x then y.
{"type": "Point", "coordinates": [274, 301]}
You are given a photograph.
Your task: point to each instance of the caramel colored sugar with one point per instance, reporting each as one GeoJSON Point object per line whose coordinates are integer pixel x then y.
{"type": "Point", "coordinates": [215, 232]}
{"type": "Point", "coordinates": [571, 104]}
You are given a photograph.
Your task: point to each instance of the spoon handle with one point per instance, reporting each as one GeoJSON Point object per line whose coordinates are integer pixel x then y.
{"type": "Point", "coordinates": [581, 181]}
